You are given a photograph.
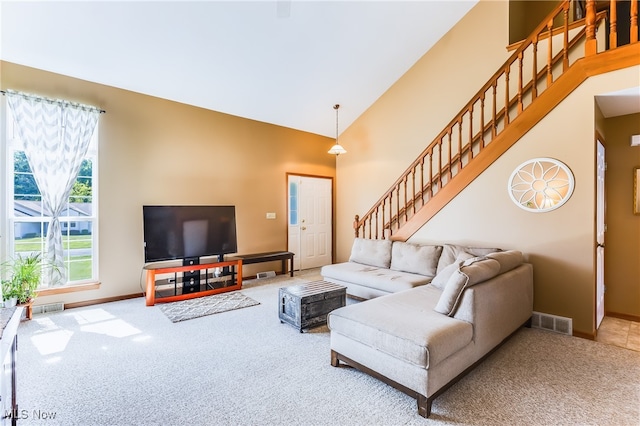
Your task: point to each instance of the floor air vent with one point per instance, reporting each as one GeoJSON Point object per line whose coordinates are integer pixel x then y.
{"type": "Point", "coordinates": [554, 323]}
{"type": "Point", "coordinates": [267, 274]}
{"type": "Point", "coordinates": [51, 307]}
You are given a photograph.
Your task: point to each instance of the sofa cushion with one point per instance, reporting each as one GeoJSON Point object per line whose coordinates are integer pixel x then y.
{"type": "Point", "coordinates": [371, 252]}
{"type": "Point", "coordinates": [440, 280]}
{"type": "Point", "coordinates": [382, 279]}
{"type": "Point", "coordinates": [508, 260]}
{"type": "Point", "coordinates": [480, 269]}
{"type": "Point", "coordinates": [415, 258]}
{"type": "Point", "coordinates": [472, 271]}
{"type": "Point", "coordinates": [404, 326]}
{"type": "Point", "coordinates": [451, 251]}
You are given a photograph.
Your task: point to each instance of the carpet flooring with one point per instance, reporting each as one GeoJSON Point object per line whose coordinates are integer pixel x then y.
{"type": "Point", "coordinates": [207, 305]}
{"type": "Point", "coordinates": [123, 363]}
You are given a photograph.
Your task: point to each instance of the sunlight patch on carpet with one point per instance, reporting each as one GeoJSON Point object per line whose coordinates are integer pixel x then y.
{"type": "Point", "coordinates": [207, 305]}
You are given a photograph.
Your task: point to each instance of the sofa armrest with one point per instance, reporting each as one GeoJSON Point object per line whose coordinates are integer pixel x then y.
{"type": "Point", "coordinates": [498, 306]}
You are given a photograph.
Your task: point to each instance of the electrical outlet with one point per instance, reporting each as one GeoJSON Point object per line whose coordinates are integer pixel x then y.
{"type": "Point", "coordinates": [271, 215]}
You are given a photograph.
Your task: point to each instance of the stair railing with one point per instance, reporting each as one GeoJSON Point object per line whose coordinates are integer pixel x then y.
{"type": "Point", "coordinates": [533, 67]}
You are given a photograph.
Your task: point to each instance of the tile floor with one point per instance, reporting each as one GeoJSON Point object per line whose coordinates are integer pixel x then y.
{"type": "Point", "coordinates": [620, 332]}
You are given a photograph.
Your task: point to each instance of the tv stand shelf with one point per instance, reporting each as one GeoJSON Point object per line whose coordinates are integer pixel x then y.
{"type": "Point", "coordinates": [208, 286]}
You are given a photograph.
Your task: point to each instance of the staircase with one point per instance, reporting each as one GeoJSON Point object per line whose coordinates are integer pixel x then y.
{"type": "Point", "coordinates": [554, 60]}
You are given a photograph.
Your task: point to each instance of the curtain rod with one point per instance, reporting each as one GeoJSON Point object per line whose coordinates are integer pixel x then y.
{"type": "Point", "coordinates": [43, 99]}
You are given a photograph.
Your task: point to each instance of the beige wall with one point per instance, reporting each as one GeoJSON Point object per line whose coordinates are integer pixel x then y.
{"type": "Point", "coordinates": [622, 240]}
{"type": "Point", "coordinates": [154, 151]}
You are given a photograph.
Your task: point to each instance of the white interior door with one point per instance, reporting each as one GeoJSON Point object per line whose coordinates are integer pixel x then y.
{"type": "Point", "coordinates": [600, 232]}
{"type": "Point", "coordinates": [310, 221]}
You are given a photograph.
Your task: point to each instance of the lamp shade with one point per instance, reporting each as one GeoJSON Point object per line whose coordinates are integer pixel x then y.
{"type": "Point", "coordinates": [337, 149]}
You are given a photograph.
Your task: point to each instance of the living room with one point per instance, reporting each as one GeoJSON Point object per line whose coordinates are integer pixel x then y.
{"type": "Point", "coordinates": [232, 160]}
{"type": "Point", "coordinates": [139, 132]}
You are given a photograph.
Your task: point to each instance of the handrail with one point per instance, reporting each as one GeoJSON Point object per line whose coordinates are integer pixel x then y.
{"type": "Point", "coordinates": [476, 125]}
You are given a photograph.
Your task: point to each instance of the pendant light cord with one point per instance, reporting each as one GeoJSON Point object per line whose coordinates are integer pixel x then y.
{"type": "Point", "coordinates": [336, 106]}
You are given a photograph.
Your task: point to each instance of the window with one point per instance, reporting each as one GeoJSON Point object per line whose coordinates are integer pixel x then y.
{"type": "Point", "coordinates": [293, 203]}
{"type": "Point", "coordinates": [28, 221]}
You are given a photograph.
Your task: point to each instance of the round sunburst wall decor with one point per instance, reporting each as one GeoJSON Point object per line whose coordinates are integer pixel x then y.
{"type": "Point", "coordinates": [541, 185]}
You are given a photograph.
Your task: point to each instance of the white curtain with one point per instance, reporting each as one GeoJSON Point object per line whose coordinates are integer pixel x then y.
{"type": "Point", "coordinates": [56, 136]}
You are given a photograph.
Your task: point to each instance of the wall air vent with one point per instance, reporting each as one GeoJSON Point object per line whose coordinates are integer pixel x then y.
{"type": "Point", "coordinates": [553, 323]}
{"type": "Point", "coordinates": [51, 307]}
{"type": "Point", "coordinates": [267, 274]}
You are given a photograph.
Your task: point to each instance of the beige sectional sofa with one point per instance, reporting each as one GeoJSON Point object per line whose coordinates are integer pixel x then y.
{"type": "Point", "coordinates": [435, 321]}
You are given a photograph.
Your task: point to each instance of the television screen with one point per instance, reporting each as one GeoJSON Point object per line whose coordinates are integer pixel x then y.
{"type": "Point", "coordinates": [179, 232]}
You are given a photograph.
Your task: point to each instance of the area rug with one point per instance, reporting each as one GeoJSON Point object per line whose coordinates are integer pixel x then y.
{"type": "Point", "coordinates": [207, 305]}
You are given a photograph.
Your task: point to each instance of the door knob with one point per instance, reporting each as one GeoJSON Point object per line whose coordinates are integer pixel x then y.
{"type": "Point", "coordinates": [304, 228]}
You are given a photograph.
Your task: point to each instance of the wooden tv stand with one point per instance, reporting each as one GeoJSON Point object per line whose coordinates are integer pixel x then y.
{"type": "Point", "coordinates": [209, 285]}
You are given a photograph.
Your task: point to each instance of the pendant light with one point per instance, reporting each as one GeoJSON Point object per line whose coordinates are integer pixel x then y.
{"type": "Point", "coordinates": [337, 149]}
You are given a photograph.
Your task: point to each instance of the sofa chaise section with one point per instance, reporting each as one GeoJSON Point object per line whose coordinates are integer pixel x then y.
{"type": "Point", "coordinates": [423, 339]}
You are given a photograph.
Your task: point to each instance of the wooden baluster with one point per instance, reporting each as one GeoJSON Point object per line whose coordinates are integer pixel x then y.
{"type": "Point", "coordinates": [391, 210]}
{"type": "Point", "coordinates": [422, 181]}
{"type": "Point", "coordinates": [494, 120]}
{"type": "Point", "coordinates": [591, 44]}
{"type": "Point", "coordinates": [459, 120]}
{"type": "Point", "coordinates": [534, 81]}
{"type": "Point", "coordinates": [356, 225]}
{"type": "Point", "coordinates": [550, 55]}
{"type": "Point", "coordinates": [384, 222]}
{"type": "Point", "coordinates": [613, 25]}
{"type": "Point", "coordinates": [450, 133]}
{"type": "Point", "coordinates": [482, 120]}
{"type": "Point", "coordinates": [431, 173]}
{"type": "Point", "coordinates": [413, 188]}
{"type": "Point", "coordinates": [459, 144]}
{"type": "Point", "coordinates": [371, 225]}
{"type": "Point", "coordinates": [397, 214]}
{"type": "Point", "coordinates": [398, 204]}
{"type": "Point", "coordinates": [520, 107]}
{"type": "Point", "coordinates": [383, 205]}
{"type": "Point", "coordinates": [634, 21]}
{"type": "Point", "coordinates": [377, 223]}
{"type": "Point", "coordinates": [440, 164]}
{"type": "Point", "coordinates": [506, 96]}
{"type": "Point", "coordinates": [406, 204]}
{"type": "Point", "coordinates": [364, 227]}
{"type": "Point", "coordinates": [565, 59]}
{"type": "Point", "coordinates": [470, 137]}
{"type": "Point", "coordinates": [394, 218]}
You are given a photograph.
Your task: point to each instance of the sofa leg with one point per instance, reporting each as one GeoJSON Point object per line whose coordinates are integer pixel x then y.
{"type": "Point", "coordinates": [424, 406]}
{"type": "Point", "coordinates": [334, 359]}
{"type": "Point", "coordinates": [529, 322]}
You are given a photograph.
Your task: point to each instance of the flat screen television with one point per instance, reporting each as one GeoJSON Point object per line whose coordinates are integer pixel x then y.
{"type": "Point", "coordinates": [188, 232]}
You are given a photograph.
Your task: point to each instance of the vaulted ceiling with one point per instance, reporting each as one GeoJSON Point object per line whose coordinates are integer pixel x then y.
{"type": "Point", "coordinates": [282, 62]}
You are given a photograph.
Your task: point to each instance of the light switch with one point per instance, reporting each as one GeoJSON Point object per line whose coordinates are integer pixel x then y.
{"type": "Point", "coordinates": [271, 215]}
